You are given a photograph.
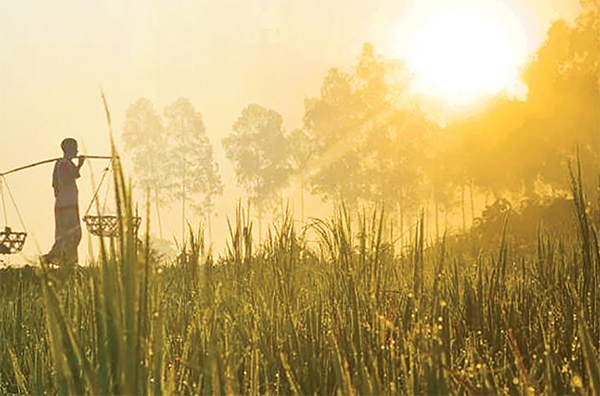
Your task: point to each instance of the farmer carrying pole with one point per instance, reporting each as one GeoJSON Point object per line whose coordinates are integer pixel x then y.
{"type": "Point", "coordinates": [67, 226]}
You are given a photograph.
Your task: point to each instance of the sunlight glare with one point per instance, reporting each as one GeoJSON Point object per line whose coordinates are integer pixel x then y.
{"type": "Point", "coordinates": [463, 54]}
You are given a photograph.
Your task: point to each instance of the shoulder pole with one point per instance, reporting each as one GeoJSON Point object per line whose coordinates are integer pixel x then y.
{"type": "Point", "coordinates": [51, 160]}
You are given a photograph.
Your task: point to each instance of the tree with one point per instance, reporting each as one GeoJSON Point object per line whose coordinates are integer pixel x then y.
{"type": "Point", "coordinates": [172, 158]}
{"type": "Point", "coordinates": [190, 158]}
{"type": "Point", "coordinates": [260, 153]}
{"type": "Point", "coordinates": [144, 137]}
{"type": "Point", "coordinates": [300, 155]}
{"type": "Point", "coordinates": [367, 146]}
{"type": "Point", "coordinates": [564, 96]}
{"type": "Point", "coordinates": [515, 143]}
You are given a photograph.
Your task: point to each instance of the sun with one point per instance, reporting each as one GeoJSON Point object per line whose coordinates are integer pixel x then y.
{"type": "Point", "coordinates": [463, 54]}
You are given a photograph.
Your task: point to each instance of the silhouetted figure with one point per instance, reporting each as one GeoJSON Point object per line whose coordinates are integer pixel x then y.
{"type": "Point", "coordinates": [67, 226]}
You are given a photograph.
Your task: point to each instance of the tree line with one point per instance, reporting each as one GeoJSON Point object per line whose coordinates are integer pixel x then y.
{"type": "Point", "coordinates": [366, 138]}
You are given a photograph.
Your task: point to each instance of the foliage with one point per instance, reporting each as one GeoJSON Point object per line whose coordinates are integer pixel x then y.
{"type": "Point", "coordinates": [551, 216]}
{"type": "Point", "coordinates": [365, 145]}
{"type": "Point", "coordinates": [192, 155]}
{"type": "Point", "coordinates": [347, 314]}
{"type": "Point", "coordinates": [172, 152]}
{"type": "Point", "coordinates": [259, 150]}
{"type": "Point", "coordinates": [367, 142]}
{"type": "Point", "coordinates": [515, 144]}
{"type": "Point", "coordinates": [564, 88]}
{"type": "Point", "coordinates": [145, 138]}
{"type": "Point", "coordinates": [342, 317]}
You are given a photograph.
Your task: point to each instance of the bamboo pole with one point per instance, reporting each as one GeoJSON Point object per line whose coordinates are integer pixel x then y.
{"type": "Point", "coordinates": [52, 160]}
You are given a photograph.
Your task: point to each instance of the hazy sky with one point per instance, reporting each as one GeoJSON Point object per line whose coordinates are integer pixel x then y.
{"type": "Point", "coordinates": [222, 55]}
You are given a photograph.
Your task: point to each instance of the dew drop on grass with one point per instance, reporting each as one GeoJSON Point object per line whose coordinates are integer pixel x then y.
{"type": "Point", "coordinates": [515, 381]}
{"type": "Point", "coordinates": [576, 381]}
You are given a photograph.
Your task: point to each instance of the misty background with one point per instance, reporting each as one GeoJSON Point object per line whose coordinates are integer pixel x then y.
{"type": "Point", "coordinates": [221, 55]}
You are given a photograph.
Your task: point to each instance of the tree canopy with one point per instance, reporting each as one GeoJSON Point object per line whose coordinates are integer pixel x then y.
{"type": "Point", "coordinates": [367, 144]}
{"type": "Point", "coordinates": [172, 152]}
{"type": "Point", "coordinates": [516, 143]}
{"type": "Point", "coordinates": [260, 153]}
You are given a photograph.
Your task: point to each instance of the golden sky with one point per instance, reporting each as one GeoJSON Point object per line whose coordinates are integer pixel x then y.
{"type": "Point", "coordinates": [222, 55]}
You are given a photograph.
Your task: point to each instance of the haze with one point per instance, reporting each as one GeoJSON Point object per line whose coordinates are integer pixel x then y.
{"type": "Point", "coordinates": [222, 55]}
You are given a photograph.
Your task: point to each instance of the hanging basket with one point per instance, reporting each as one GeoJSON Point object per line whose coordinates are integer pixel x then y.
{"type": "Point", "coordinates": [11, 242]}
{"type": "Point", "coordinates": [107, 225]}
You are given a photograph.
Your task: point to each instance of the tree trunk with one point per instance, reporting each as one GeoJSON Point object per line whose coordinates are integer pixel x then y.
{"type": "Point", "coordinates": [462, 199]}
{"type": "Point", "coordinates": [472, 206]}
{"type": "Point", "coordinates": [437, 220]}
{"type": "Point", "coordinates": [260, 213]}
{"type": "Point", "coordinates": [402, 220]}
{"type": "Point", "coordinates": [209, 224]}
{"type": "Point", "coordinates": [302, 198]}
{"type": "Point", "coordinates": [158, 214]}
{"type": "Point", "coordinates": [182, 187]}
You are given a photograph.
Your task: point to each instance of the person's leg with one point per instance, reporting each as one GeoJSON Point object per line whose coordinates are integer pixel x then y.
{"type": "Point", "coordinates": [69, 258]}
{"type": "Point", "coordinates": [60, 228]}
{"type": "Point", "coordinates": [67, 238]}
{"type": "Point", "coordinates": [72, 239]}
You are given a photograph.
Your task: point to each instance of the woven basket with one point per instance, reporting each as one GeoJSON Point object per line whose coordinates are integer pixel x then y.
{"type": "Point", "coordinates": [107, 225]}
{"type": "Point", "coordinates": [11, 242]}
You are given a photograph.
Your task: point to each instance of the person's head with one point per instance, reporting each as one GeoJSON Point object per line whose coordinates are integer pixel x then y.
{"type": "Point", "coordinates": [69, 147]}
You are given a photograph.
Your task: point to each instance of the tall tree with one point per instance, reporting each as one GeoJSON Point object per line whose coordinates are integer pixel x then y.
{"type": "Point", "coordinates": [300, 155]}
{"type": "Point", "coordinates": [367, 145]}
{"type": "Point", "coordinates": [260, 153]}
{"type": "Point", "coordinates": [333, 123]}
{"type": "Point", "coordinates": [144, 137]}
{"type": "Point", "coordinates": [172, 157]}
{"type": "Point", "coordinates": [515, 144]}
{"type": "Point", "coordinates": [190, 157]}
{"type": "Point", "coordinates": [564, 96]}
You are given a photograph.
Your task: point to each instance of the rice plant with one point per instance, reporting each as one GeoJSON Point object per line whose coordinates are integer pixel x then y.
{"type": "Point", "coordinates": [345, 315]}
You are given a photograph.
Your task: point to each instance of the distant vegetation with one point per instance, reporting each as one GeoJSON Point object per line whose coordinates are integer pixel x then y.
{"type": "Point", "coordinates": [337, 305]}
{"type": "Point", "coordinates": [347, 315]}
{"type": "Point", "coordinates": [366, 138]}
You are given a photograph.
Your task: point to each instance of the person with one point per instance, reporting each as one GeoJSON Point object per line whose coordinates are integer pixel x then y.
{"type": "Point", "coordinates": [67, 225]}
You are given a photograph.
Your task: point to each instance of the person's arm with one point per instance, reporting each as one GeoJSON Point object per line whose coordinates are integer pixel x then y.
{"type": "Point", "coordinates": [68, 172]}
{"type": "Point", "coordinates": [81, 160]}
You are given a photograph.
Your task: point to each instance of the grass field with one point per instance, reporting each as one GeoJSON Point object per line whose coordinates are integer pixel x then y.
{"type": "Point", "coordinates": [349, 316]}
